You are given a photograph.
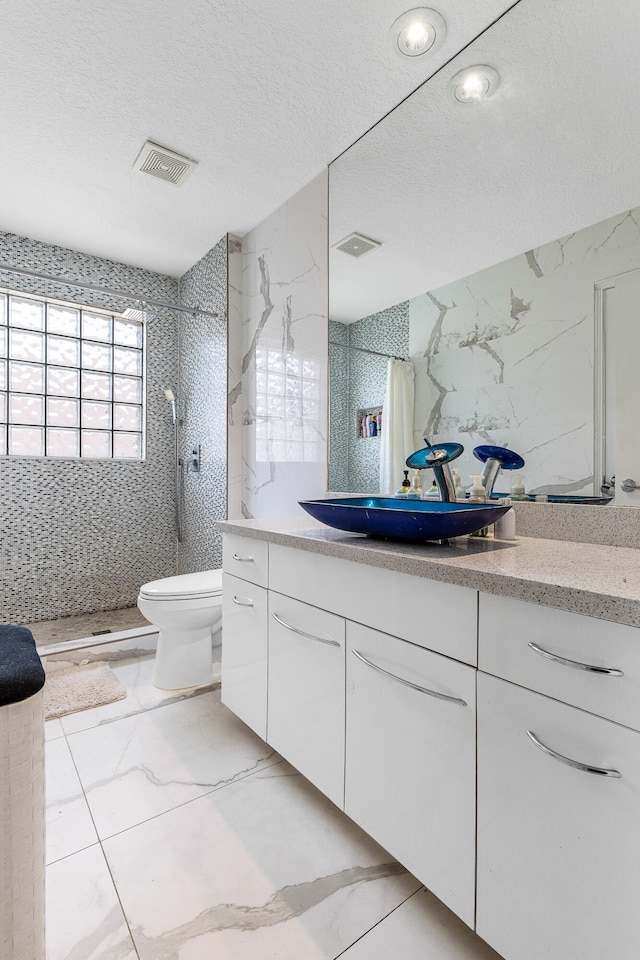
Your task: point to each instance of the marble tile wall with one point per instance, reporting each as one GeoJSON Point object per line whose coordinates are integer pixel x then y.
{"type": "Point", "coordinates": [80, 536]}
{"type": "Point", "coordinates": [358, 380]}
{"type": "Point", "coordinates": [279, 400]}
{"type": "Point", "coordinates": [506, 355]}
{"type": "Point", "coordinates": [202, 391]}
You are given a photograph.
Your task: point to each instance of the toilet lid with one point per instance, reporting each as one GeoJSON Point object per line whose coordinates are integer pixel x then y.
{"type": "Point", "coordinates": [208, 583]}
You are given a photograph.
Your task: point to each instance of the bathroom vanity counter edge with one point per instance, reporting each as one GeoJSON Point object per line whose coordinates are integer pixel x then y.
{"type": "Point", "coordinates": [590, 579]}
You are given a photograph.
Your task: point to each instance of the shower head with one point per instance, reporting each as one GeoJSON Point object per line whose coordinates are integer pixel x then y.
{"type": "Point", "coordinates": [171, 397]}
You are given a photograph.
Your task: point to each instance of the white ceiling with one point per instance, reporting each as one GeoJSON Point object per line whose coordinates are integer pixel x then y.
{"type": "Point", "coordinates": [262, 94]}
{"type": "Point", "coordinates": [450, 189]}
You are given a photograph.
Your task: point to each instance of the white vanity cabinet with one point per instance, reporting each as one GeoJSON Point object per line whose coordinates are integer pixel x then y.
{"type": "Point", "coordinates": [306, 691]}
{"type": "Point", "coordinates": [558, 844]}
{"type": "Point", "coordinates": [244, 637]}
{"type": "Point", "coordinates": [410, 759]}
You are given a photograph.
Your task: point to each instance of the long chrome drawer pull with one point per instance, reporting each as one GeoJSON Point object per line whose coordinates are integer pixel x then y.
{"type": "Point", "coordinates": [309, 636]}
{"type": "Point", "coordinates": [243, 559]}
{"type": "Point", "coordinates": [407, 683]}
{"type": "Point", "coordinates": [243, 603]}
{"type": "Point", "coordinates": [610, 671]}
{"type": "Point", "coordinates": [585, 767]}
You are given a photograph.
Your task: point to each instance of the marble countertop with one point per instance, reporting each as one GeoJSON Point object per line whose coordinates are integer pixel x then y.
{"type": "Point", "coordinates": [590, 579]}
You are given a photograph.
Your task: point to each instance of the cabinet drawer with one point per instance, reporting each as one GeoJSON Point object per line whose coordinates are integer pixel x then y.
{"type": "Point", "coordinates": [508, 627]}
{"type": "Point", "coordinates": [306, 691]}
{"type": "Point", "coordinates": [244, 651]}
{"type": "Point", "coordinates": [410, 760]}
{"type": "Point", "coordinates": [558, 847]}
{"type": "Point", "coordinates": [246, 558]}
{"type": "Point", "coordinates": [440, 616]}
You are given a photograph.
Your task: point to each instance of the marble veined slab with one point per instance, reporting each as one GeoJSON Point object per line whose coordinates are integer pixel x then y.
{"type": "Point", "coordinates": [267, 867]}
{"type": "Point", "coordinates": [140, 766]}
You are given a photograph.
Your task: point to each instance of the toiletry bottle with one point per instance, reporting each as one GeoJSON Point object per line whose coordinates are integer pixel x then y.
{"type": "Point", "coordinates": [505, 526]}
{"type": "Point", "coordinates": [457, 485]}
{"type": "Point", "coordinates": [477, 493]}
{"type": "Point", "coordinates": [404, 486]}
{"type": "Point", "coordinates": [432, 493]}
{"type": "Point", "coordinates": [415, 491]}
{"type": "Point", "coordinates": [380, 423]}
{"type": "Point", "coordinates": [517, 488]}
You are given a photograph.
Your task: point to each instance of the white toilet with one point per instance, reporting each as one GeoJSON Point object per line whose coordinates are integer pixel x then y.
{"type": "Point", "coordinates": [187, 610]}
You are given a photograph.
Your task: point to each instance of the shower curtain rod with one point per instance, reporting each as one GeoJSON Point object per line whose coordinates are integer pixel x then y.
{"type": "Point", "coordinates": [145, 301]}
{"type": "Point", "coordinates": [375, 353]}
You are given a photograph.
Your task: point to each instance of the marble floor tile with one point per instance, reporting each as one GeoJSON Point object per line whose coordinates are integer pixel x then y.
{"type": "Point", "coordinates": [265, 868]}
{"type": "Point", "coordinates": [136, 676]}
{"type": "Point", "coordinates": [84, 917]}
{"type": "Point", "coordinates": [69, 824]}
{"type": "Point", "coordinates": [421, 928]}
{"type": "Point", "coordinates": [53, 730]}
{"type": "Point", "coordinates": [138, 767]}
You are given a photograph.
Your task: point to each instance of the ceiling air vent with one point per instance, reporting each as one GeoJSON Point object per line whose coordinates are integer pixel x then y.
{"type": "Point", "coordinates": [356, 245]}
{"type": "Point", "coordinates": [164, 164]}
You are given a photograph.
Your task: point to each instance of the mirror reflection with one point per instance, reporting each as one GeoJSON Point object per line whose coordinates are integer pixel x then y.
{"type": "Point", "coordinates": [504, 229]}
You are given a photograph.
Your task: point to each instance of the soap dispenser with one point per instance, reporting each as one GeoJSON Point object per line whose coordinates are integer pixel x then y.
{"type": "Point", "coordinates": [404, 486]}
{"type": "Point", "coordinates": [517, 488]}
{"type": "Point", "coordinates": [477, 493]}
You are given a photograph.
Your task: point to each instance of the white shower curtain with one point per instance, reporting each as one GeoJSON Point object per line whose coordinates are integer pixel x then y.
{"type": "Point", "coordinates": [397, 424]}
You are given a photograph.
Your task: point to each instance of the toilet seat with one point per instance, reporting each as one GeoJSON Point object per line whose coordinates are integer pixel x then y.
{"type": "Point", "coordinates": [185, 586]}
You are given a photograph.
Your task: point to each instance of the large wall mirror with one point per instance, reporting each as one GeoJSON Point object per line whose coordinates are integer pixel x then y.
{"type": "Point", "coordinates": [506, 228]}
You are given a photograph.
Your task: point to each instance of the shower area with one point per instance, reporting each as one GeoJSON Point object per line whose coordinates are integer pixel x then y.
{"type": "Point", "coordinates": [144, 424]}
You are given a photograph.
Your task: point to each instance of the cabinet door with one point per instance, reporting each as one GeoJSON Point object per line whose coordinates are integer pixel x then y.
{"type": "Point", "coordinates": [558, 847]}
{"type": "Point", "coordinates": [244, 651]}
{"type": "Point", "coordinates": [410, 760]}
{"type": "Point", "coordinates": [306, 691]}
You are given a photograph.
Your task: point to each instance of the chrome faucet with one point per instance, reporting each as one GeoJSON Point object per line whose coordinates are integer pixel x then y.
{"type": "Point", "coordinates": [495, 459]}
{"type": "Point", "coordinates": [438, 458]}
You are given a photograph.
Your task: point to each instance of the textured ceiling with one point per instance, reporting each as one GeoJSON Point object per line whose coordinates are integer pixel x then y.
{"type": "Point", "coordinates": [263, 95]}
{"type": "Point", "coordinates": [450, 189]}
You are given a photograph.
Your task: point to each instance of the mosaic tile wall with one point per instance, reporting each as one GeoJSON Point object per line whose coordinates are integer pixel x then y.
{"type": "Point", "coordinates": [79, 536]}
{"type": "Point", "coordinates": [202, 392]}
{"type": "Point", "coordinates": [285, 307]}
{"type": "Point", "coordinates": [355, 461]}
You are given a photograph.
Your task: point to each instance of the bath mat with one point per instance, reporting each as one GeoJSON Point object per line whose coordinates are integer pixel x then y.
{"type": "Point", "coordinates": [72, 688]}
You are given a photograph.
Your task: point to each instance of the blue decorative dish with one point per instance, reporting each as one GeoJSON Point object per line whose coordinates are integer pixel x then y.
{"type": "Point", "coordinates": [508, 459]}
{"type": "Point", "coordinates": [393, 518]}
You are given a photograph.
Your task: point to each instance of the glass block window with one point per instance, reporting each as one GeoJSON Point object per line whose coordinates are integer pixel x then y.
{"type": "Point", "coordinates": [71, 381]}
{"type": "Point", "coordinates": [287, 405]}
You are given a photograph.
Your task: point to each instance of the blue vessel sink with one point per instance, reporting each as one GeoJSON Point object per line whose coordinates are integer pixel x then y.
{"type": "Point", "coordinates": [393, 518]}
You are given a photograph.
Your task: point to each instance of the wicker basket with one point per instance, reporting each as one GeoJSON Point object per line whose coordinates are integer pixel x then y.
{"type": "Point", "coordinates": [22, 830]}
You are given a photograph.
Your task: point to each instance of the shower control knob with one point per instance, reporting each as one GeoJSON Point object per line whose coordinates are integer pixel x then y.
{"type": "Point", "coordinates": [629, 486]}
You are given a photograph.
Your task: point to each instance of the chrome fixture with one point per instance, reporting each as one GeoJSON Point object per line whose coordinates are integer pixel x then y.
{"type": "Point", "coordinates": [629, 486]}
{"type": "Point", "coordinates": [438, 458]}
{"type": "Point", "coordinates": [408, 683]}
{"type": "Point", "coordinates": [495, 458]}
{"type": "Point", "coordinates": [177, 462]}
{"type": "Point", "coordinates": [576, 764]}
{"type": "Point", "coordinates": [193, 460]}
{"type": "Point", "coordinates": [576, 664]}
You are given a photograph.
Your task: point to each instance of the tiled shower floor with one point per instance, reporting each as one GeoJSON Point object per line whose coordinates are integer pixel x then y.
{"type": "Point", "coordinates": [174, 833]}
{"type": "Point", "coordinates": [86, 625]}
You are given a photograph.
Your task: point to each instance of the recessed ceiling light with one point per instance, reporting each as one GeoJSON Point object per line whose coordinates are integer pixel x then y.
{"type": "Point", "coordinates": [417, 32]}
{"type": "Point", "coordinates": [474, 84]}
